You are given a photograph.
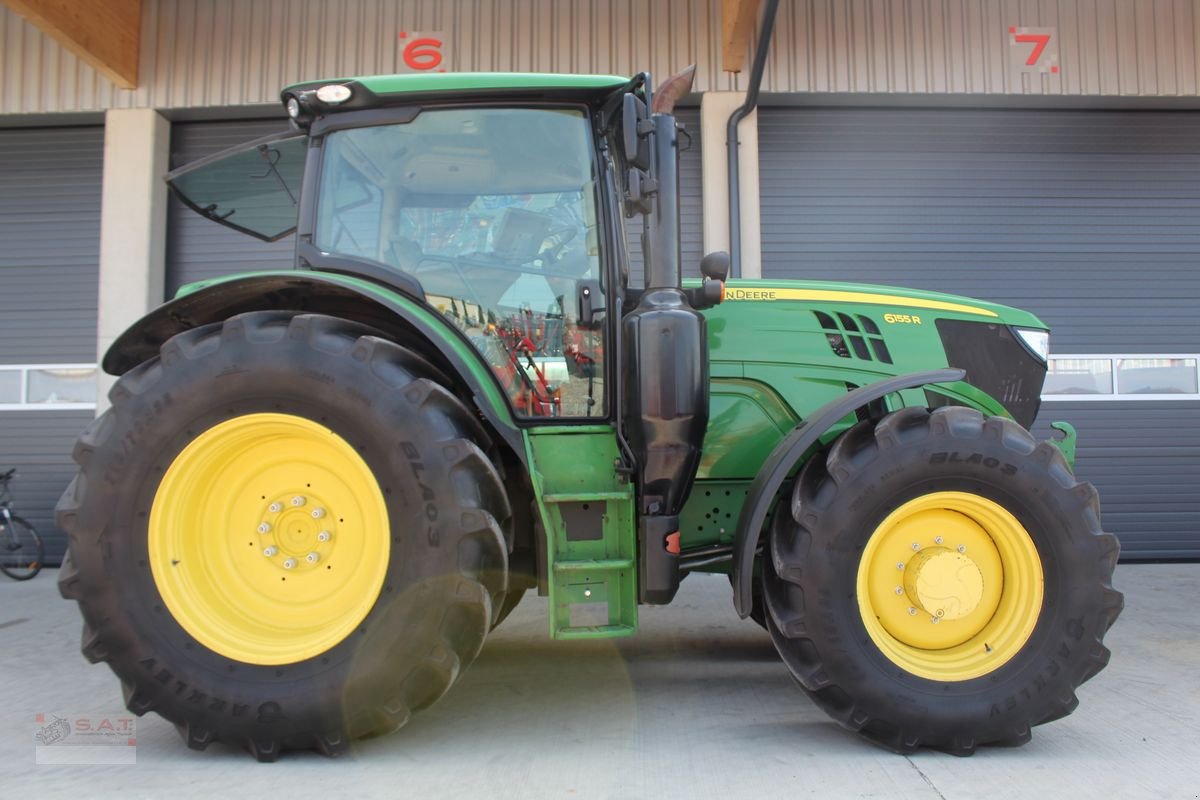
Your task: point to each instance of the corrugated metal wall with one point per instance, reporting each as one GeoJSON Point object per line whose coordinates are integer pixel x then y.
{"type": "Point", "coordinates": [1106, 47]}
{"type": "Point", "coordinates": [49, 250]}
{"type": "Point", "coordinates": [1089, 219]}
{"type": "Point", "coordinates": [240, 52]}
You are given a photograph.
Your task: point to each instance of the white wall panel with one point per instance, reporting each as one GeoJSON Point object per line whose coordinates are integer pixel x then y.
{"type": "Point", "coordinates": [199, 53]}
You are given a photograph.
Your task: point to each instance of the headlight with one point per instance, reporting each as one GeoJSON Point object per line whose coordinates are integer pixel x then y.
{"type": "Point", "coordinates": [333, 94]}
{"type": "Point", "coordinates": [1038, 341]}
{"type": "Point", "coordinates": [293, 107]}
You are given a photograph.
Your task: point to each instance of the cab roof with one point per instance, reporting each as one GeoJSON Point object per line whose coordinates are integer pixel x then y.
{"type": "Point", "coordinates": [385, 88]}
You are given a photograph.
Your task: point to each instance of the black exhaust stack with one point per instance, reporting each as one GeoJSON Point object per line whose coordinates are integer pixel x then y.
{"type": "Point", "coordinates": [665, 366]}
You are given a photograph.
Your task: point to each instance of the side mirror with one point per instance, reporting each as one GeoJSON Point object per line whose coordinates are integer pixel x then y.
{"type": "Point", "coordinates": [715, 269]}
{"type": "Point", "coordinates": [639, 189]}
{"type": "Point", "coordinates": [715, 266]}
{"type": "Point", "coordinates": [633, 139]}
{"type": "Point", "coordinates": [588, 295]}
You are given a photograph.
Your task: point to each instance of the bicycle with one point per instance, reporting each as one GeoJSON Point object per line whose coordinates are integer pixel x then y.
{"type": "Point", "coordinates": [21, 550]}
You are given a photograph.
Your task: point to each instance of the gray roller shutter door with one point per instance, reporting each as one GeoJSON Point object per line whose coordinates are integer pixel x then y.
{"type": "Point", "coordinates": [50, 230]}
{"type": "Point", "coordinates": [691, 193]}
{"type": "Point", "coordinates": [50, 234]}
{"type": "Point", "coordinates": [1144, 459]}
{"type": "Point", "coordinates": [1090, 219]}
{"type": "Point", "coordinates": [39, 445]}
{"type": "Point", "coordinates": [197, 248]}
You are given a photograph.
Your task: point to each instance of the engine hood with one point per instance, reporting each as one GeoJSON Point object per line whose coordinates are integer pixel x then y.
{"type": "Point", "coordinates": [883, 299]}
{"type": "Point", "coordinates": [811, 340]}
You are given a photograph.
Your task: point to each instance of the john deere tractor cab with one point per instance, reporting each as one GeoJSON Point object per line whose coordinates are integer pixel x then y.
{"type": "Point", "coordinates": [317, 490]}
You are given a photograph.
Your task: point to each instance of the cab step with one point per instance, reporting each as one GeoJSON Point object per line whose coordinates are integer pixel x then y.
{"type": "Point", "coordinates": [591, 537]}
{"type": "Point", "coordinates": [594, 565]}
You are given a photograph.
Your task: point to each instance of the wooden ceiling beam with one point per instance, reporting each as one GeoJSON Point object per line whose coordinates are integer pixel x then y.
{"type": "Point", "coordinates": [738, 18]}
{"type": "Point", "coordinates": [104, 33]}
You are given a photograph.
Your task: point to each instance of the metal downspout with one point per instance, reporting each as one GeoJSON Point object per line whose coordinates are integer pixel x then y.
{"type": "Point", "coordinates": [731, 140]}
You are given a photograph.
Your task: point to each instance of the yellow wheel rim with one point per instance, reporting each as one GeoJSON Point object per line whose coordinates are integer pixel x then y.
{"type": "Point", "coordinates": [269, 539]}
{"type": "Point", "coordinates": [950, 586]}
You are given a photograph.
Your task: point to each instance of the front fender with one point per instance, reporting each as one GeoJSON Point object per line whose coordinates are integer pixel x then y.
{"type": "Point", "coordinates": [787, 453]}
{"type": "Point", "coordinates": [364, 301]}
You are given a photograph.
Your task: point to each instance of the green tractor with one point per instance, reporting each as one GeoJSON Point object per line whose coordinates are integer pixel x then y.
{"type": "Point", "coordinates": [317, 490]}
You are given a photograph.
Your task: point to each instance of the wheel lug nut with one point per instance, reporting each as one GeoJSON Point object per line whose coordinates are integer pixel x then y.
{"type": "Point", "coordinates": [937, 540]}
{"type": "Point", "coordinates": [962, 548]}
{"type": "Point", "coordinates": [269, 551]}
{"type": "Point", "coordinates": [275, 507]}
{"type": "Point", "coordinates": [264, 527]}
{"type": "Point", "coordinates": [323, 536]}
{"type": "Point", "coordinates": [317, 513]}
{"type": "Point", "coordinates": [291, 562]}
{"type": "Point", "coordinates": [912, 612]}
{"type": "Point", "coordinates": [915, 546]}
{"type": "Point", "coordinates": [899, 590]}
{"type": "Point", "coordinates": [298, 501]}
{"type": "Point", "coordinates": [312, 558]}
{"type": "Point", "coordinates": [899, 565]}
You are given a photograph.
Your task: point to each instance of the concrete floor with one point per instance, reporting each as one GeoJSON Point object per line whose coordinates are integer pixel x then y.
{"type": "Point", "coordinates": [697, 705]}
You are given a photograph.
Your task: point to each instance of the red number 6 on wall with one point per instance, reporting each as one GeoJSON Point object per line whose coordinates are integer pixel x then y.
{"type": "Point", "coordinates": [421, 52]}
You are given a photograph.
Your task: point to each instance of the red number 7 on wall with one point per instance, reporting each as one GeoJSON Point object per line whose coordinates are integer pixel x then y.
{"type": "Point", "coordinates": [1039, 42]}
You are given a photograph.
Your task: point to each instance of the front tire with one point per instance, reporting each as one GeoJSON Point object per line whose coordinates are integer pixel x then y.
{"type": "Point", "coordinates": [285, 534]}
{"type": "Point", "coordinates": [941, 579]}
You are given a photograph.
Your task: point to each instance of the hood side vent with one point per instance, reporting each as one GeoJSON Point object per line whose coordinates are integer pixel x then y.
{"type": "Point", "coordinates": [846, 333]}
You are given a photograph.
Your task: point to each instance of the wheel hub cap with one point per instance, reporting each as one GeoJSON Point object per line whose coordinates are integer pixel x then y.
{"type": "Point", "coordinates": [295, 533]}
{"type": "Point", "coordinates": [943, 584]}
{"type": "Point", "coordinates": [950, 586]}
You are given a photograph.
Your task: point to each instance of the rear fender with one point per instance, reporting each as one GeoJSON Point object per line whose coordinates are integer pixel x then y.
{"type": "Point", "coordinates": [787, 454]}
{"type": "Point", "coordinates": [394, 314]}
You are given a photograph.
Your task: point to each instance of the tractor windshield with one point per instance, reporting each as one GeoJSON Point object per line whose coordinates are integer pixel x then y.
{"type": "Point", "coordinates": [493, 211]}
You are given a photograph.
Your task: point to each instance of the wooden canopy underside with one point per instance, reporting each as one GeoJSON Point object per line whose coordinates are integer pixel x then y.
{"type": "Point", "coordinates": [738, 18]}
{"type": "Point", "coordinates": [104, 33]}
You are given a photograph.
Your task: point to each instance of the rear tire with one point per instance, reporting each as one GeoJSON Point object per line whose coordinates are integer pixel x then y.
{"type": "Point", "coordinates": [22, 553]}
{"type": "Point", "coordinates": [1006, 552]}
{"type": "Point", "coordinates": [174, 642]}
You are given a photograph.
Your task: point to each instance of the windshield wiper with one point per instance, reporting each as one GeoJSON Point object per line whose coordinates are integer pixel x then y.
{"type": "Point", "coordinates": [271, 155]}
